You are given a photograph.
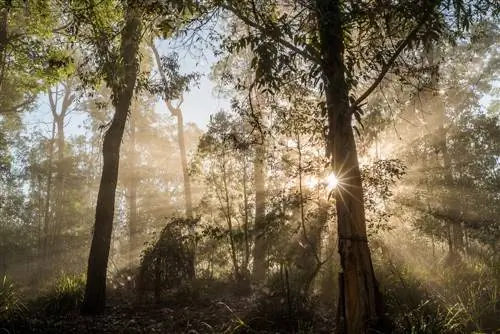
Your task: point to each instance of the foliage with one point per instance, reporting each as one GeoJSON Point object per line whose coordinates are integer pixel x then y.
{"type": "Point", "coordinates": [11, 306]}
{"type": "Point", "coordinates": [167, 262]}
{"type": "Point", "coordinates": [66, 295]}
{"type": "Point", "coordinates": [378, 180]}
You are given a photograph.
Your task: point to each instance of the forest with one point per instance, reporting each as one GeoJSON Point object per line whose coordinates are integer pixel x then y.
{"type": "Point", "coordinates": [249, 166]}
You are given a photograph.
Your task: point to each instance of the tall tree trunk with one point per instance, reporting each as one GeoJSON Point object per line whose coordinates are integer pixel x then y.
{"type": "Point", "coordinates": [259, 249]}
{"type": "Point", "coordinates": [95, 290]}
{"type": "Point", "coordinates": [177, 112]}
{"type": "Point", "coordinates": [360, 303]}
{"type": "Point", "coordinates": [246, 209]}
{"type": "Point", "coordinates": [59, 118]}
{"type": "Point", "coordinates": [185, 172]}
{"type": "Point", "coordinates": [132, 190]}
{"type": "Point", "coordinates": [188, 199]}
{"type": "Point", "coordinates": [48, 196]}
{"type": "Point", "coordinates": [230, 222]}
{"type": "Point", "coordinates": [4, 39]}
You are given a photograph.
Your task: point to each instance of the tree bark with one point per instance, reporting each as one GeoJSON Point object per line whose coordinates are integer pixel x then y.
{"type": "Point", "coordinates": [123, 89]}
{"type": "Point", "coordinates": [360, 305]}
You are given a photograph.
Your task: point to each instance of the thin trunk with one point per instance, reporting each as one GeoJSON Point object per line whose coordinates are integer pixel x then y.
{"type": "Point", "coordinates": [48, 192]}
{"type": "Point", "coordinates": [188, 198]}
{"type": "Point", "coordinates": [185, 172]}
{"type": "Point", "coordinates": [59, 118]}
{"type": "Point", "coordinates": [230, 223]}
{"type": "Point", "coordinates": [95, 290]}
{"type": "Point", "coordinates": [246, 208]}
{"type": "Point", "coordinates": [59, 184]}
{"type": "Point", "coordinates": [132, 191]}
{"type": "Point", "coordinates": [360, 302]}
{"type": "Point", "coordinates": [177, 112]}
{"type": "Point", "coordinates": [37, 184]}
{"type": "Point", "coordinates": [4, 39]}
{"type": "Point", "coordinates": [259, 250]}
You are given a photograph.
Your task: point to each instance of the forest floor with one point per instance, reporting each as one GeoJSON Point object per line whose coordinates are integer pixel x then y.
{"type": "Point", "coordinates": [230, 313]}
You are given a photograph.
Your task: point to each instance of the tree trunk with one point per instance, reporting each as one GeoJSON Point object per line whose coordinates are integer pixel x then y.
{"type": "Point", "coordinates": [59, 118]}
{"type": "Point", "coordinates": [188, 199]}
{"type": "Point", "coordinates": [48, 195]}
{"type": "Point", "coordinates": [4, 39]}
{"type": "Point", "coordinates": [177, 112]}
{"type": "Point", "coordinates": [246, 209]}
{"type": "Point", "coordinates": [230, 222]}
{"type": "Point", "coordinates": [360, 303]}
{"type": "Point", "coordinates": [185, 172]}
{"type": "Point", "coordinates": [132, 191]}
{"type": "Point", "coordinates": [259, 249]}
{"type": "Point", "coordinates": [95, 290]}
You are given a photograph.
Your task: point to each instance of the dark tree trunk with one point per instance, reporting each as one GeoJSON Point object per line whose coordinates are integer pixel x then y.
{"type": "Point", "coordinates": [360, 302]}
{"type": "Point", "coordinates": [95, 290]}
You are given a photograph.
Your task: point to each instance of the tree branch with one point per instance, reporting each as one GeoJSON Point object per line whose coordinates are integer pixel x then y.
{"type": "Point", "coordinates": [304, 53]}
{"type": "Point", "coordinates": [175, 111]}
{"type": "Point", "coordinates": [387, 66]}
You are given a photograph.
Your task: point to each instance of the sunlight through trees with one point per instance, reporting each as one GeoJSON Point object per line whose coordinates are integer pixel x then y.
{"type": "Point", "coordinates": [347, 179]}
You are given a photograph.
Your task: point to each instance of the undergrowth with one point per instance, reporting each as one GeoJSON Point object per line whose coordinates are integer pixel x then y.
{"type": "Point", "coordinates": [11, 306]}
{"type": "Point", "coordinates": [65, 296]}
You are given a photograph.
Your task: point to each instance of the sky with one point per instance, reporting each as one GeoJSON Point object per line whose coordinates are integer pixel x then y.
{"type": "Point", "coordinates": [199, 102]}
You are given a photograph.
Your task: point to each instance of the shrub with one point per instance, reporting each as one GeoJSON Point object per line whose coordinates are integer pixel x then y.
{"type": "Point", "coordinates": [282, 305]}
{"type": "Point", "coordinates": [168, 262]}
{"type": "Point", "coordinates": [66, 295]}
{"type": "Point", "coordinates": [11, 306]}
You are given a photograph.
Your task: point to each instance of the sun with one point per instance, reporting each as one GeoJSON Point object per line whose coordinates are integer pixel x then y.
{"type": "Point", "coordinates": [331, 182]}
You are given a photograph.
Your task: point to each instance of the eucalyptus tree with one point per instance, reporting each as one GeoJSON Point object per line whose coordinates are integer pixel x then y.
{"type": "Point", "coordinates": [120, 73]}
{"type": "Point", "coordinates": [343, 47]}
{"type": "Point", "coordinates": [62, 100]}
{"type": "Point", "coordinates": [110, 33]}
{"type": "Point", "coordinates": [169, 67]}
